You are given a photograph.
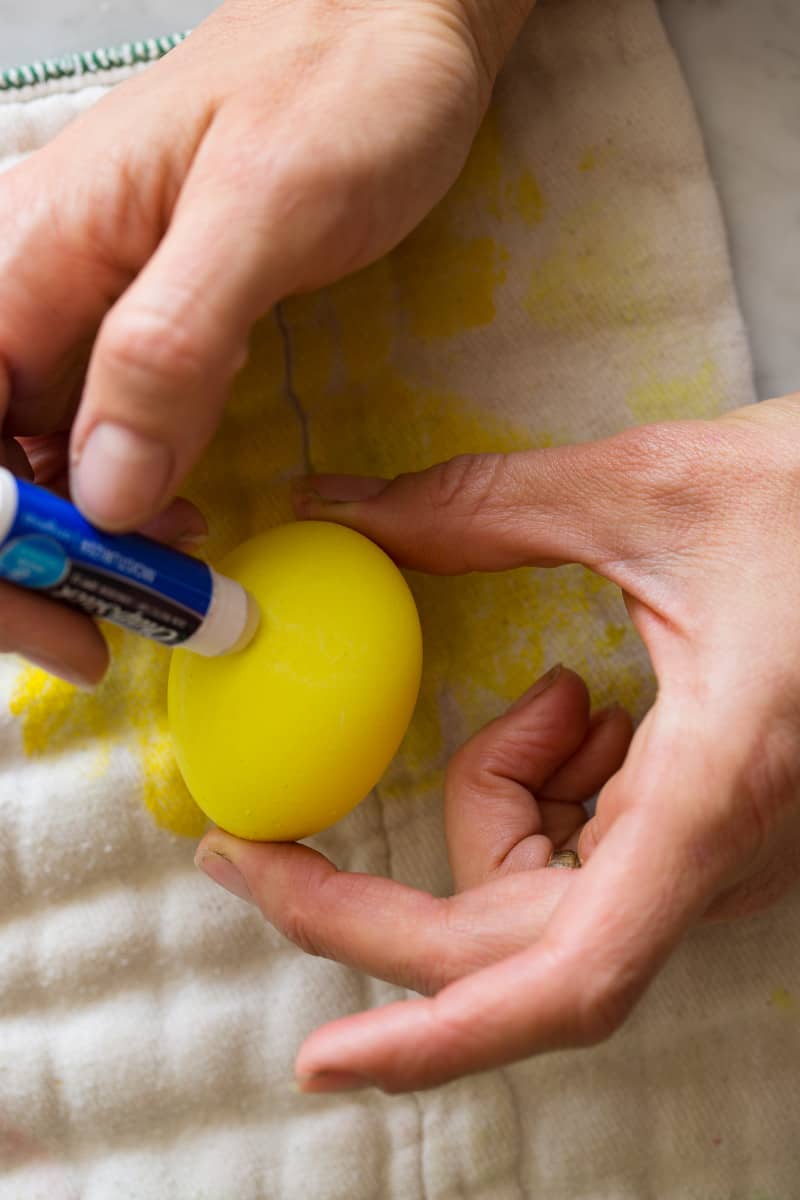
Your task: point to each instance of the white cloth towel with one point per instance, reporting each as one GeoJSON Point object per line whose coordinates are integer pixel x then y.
{"type": "Point", "coordinates": [574, 282]}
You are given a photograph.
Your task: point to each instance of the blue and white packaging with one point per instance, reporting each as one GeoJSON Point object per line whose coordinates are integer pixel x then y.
{"type": "Point", "coordinates": [46, 545]}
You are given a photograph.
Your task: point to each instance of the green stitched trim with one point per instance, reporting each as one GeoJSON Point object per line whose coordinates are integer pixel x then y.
{"type": "Point", "coordinates": [92, 62]}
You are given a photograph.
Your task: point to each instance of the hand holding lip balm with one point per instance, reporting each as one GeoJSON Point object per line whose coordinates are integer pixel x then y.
{"type": "Point", "coordinates": [280, 741]}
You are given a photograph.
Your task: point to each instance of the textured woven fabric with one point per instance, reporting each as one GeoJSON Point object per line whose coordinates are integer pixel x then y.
{"type": "Point", "coordinates": [574, 282]}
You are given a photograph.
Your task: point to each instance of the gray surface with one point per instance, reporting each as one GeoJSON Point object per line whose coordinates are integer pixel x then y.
{"type": "Point", "coordinates": [52, 27]}
{"type": "Point", "coordinates": [742, 61]}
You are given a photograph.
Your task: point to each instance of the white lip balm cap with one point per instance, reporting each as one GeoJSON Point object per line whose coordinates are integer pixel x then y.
{"type": "Point", "coordinates": [8, 502]}
{"type": "Point", "coordinates": [230, 623]}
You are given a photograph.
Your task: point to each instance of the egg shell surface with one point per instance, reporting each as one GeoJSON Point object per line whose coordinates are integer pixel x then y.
{"type": "Point", "coordinates": [282, 739]}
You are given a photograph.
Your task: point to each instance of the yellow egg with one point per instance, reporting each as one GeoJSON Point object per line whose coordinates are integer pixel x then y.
{"type": "Point", "coordinates": [282, 739]}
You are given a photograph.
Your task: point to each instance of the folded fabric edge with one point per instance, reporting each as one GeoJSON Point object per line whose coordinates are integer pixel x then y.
{"type": "Point", "coordinates": [73, 71]}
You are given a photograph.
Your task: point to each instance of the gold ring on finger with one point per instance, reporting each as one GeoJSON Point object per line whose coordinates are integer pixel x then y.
{"type": "Point", "coordinates": [567, 860]}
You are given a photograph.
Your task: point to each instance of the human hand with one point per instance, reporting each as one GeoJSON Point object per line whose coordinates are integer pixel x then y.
{"type": "Point", "coordinates": [280, 147]}
{"type": "Point", "coordinates": [513, 795]}
{"type": "Point", "coordinates": [699, 524]}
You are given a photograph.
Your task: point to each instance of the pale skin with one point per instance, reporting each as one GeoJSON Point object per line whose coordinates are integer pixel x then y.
{"type": "Point", "coordinates": [283, 146]}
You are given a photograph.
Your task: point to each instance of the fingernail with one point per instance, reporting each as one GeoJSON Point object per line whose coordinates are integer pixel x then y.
{"type": "Point", "coordinates": [68, 674]}
{"type": "Point", "coordinates": [332, 1081]}
{"type": "Point", "coordinates": [120, 476]}
{"type": "Point", "coordinates": [538, 688]}
{"type": "Point", "coordinates": [223, 872]}
{"type": "Point", "coordinates": [337, 489]}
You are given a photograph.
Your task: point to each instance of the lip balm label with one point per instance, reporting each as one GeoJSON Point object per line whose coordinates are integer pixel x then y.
{"type": "Point", "coordinates": [126, 579]}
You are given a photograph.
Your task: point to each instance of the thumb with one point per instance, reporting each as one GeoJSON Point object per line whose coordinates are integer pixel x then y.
{"type": "Point", "coordinates": [650, 877]}
{"type": "Point", "coordinates": [161, 370]}
{"type": "Point", "coordinates": [168, 350]}
{"type": "Point", "coordinates": [602, 504]}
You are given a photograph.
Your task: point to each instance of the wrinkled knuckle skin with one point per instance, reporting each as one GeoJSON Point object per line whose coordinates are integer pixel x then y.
{"type": "Point", "coordinates": [296, 925]}
{"type": "Point", "coordinates": [313, 195]}
{"type": "Point", "coordinates": [689, 469]}
{"type": "Point", "coordinates": [660, 463]}
{"type": "Point", "coordinates": [602, 1010]}
{"type": "Point", "coordinates": [468, 482]}
{"type": "Point", "coordinates": [151, 345]}
{"type": "Point", "coordinates": [600, 1021]}
{"type": "Point", "coordinates": [427, 978]}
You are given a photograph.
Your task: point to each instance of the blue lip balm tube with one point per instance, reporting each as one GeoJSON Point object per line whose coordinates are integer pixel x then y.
{"type": "Point", "coordinates": [132, 581]}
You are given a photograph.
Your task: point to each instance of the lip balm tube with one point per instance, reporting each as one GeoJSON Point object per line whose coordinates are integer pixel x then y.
{"type": "Point", "coordinates": [46, 545]}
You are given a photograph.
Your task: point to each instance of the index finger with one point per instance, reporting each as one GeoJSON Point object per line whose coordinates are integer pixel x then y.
{"type": "Point", "coordinates": [596, 503]}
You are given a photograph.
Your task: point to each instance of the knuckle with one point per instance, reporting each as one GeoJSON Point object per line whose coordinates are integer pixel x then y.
{"type": "Point", "coordinates": [655, 460]}
{"type": "Point", "coordinates": [679, 468]}
{"type": "Point", "coordinates": [154, 345]}
{"type": "Point", "coordinates": [601, 1011]}
{"type": "Point", "coordinates": [297, 925]}
{"type": "Point", "coordinates": [680, 482]}
{"type": "Point", "coordinates": [450, 958]}
{"type": "Point", "coordinates": [433, 960]}
{"type": "Point", "coordinates": [427, 978]}
{"type": "Point", "coordinates": [300, 915]}
{"type": "Point", "coordinates": [477, 772]}
{"type": "Point", "coordinates": [603, 997]}
{"type": "Point", "coordinates": [313, 194]}
{"type": "Point", "coordinates": [469, 482]}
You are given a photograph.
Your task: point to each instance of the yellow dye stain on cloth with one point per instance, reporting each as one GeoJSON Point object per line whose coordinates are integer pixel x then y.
{"type": "Point", "coordinates": [595, 157]}
{"type": "Point", "coordinates": [488, 637]}
{"type": "Point", "coordinates": [783, 1000]}
{"type": "Point", "coordinates": [241, 483]}
{"type": "Point", "coordinates": [480, 184]}
{"type": "Point", "coordinates": [488, 185]}
{"type": "Point", "coordinates": [527, 198]}
{"type": "Point", "coordinates": [660, 397]}
{"type": "Point", "coordinates": [594, 276]}
{"type": "Point", "coordinates": [445, 275]}
{"type": "Point", "coordinates": [128, 709]}
{"type": "Point", "coordinates": [462, 274]}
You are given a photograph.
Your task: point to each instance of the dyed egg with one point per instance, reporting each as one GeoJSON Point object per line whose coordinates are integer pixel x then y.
{"type": "Point", "coordinates": [285, 737]}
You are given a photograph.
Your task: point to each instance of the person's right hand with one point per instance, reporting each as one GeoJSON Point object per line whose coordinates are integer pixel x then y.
{"type": "Point", "coordinates": [279, 148]}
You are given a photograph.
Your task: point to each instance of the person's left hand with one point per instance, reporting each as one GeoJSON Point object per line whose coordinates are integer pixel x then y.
{"type": "Point", "coordinates": [699, 524]}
